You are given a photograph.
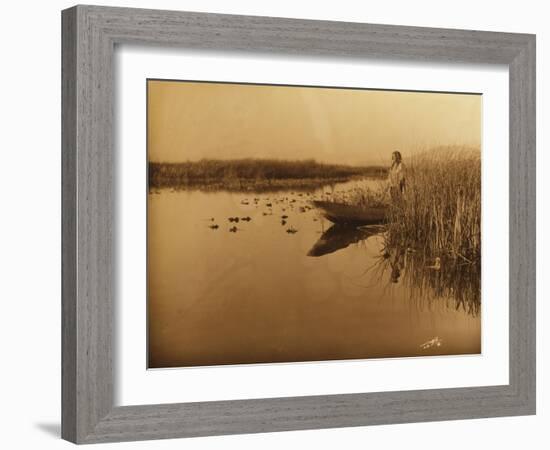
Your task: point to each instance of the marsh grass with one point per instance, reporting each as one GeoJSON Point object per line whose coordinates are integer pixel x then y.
{"type": "Point", "coordinates": [253, 174]}
{"type": "Point", "coordinates": [440, 211]}
{"type": "Point", "coordinates": [432, 237]}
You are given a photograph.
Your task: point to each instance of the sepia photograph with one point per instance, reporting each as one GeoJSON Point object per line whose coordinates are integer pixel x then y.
{"type": "Point", "coordinates": [304, 223]}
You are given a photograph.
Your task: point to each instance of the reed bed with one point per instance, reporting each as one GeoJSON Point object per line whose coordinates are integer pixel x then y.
{"type": "Point", "coordinates": [244, 174]}
{"type": "Point", "coordinates": [440, 210]}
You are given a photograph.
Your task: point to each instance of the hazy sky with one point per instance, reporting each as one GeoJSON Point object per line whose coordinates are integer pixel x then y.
{"type": "Point", "coordinates": [190, 121]}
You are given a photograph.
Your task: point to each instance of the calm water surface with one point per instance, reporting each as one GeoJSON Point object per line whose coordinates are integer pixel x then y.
{"type": "Point", "coordinates": [262, 294]}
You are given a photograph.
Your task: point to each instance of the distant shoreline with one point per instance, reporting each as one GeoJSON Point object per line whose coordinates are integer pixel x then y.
{"type": "Point", "coordinates": [254, 174]}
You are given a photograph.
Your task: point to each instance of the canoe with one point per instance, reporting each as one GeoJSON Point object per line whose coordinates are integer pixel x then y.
{"type": "Point", "coordinates": [341, 213]}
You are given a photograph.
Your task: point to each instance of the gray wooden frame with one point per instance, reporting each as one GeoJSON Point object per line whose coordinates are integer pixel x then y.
{"type": "Point", "coordinates": [89, 36]}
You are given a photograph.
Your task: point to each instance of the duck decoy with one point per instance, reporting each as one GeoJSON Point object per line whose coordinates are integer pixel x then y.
{"type": "Point", "coordinates": [436, 265]}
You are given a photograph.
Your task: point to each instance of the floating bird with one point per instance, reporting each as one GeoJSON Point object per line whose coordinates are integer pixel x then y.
{"type": "Point", "coordinates": [269, 205]}
{"type": "Point", "coordinates": [436, 265]}
{"type": "Point", "coordinates": [291, 230]}
{"type": "Point", "coordinates": [233, 229]}
{"type": "Point", "coordinates": [283, 222]}
{"type": "Point", "coordinates": [214, 227]}
{"type": "Point", "coordinates": [234, 219]}
{"type": "Point", "coordinates": [244, 202]}
{"type": "Point", "coordinates": [284, 217]}
{"type": "Point", "coordinates": [246, 219]}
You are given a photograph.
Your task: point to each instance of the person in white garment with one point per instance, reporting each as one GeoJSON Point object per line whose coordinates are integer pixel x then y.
{"type": "Point", "coordinates": [396, 177]}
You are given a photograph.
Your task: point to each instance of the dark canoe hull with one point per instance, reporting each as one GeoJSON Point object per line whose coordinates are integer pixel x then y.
{"type": "Point", "coordinates": [338, 237]}
{"type": "Point", "coordinates": [343, 214]}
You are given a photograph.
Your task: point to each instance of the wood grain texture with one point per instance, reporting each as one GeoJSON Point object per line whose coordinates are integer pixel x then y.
{"type": "Point", "coordinates": [522, 283]}
{"type": "Point", "coordinates": [68, 225]}
{"type": "Point", "coordinates": [89, 36]}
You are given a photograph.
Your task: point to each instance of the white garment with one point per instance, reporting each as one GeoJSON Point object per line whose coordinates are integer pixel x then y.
{"type": "Point", "coordinates": [396, 175]}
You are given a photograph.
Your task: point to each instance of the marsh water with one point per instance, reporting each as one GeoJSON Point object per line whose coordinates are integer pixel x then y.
{"type": "Point", "coordinates": [280, 289]}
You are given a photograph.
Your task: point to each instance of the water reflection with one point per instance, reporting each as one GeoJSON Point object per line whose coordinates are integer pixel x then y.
{"type": "Point", "coordinates": [425, 279]}
{"type": "Point", "coordinates": [338, 237]}
{"type": "Point", "coordinates": [429, 279]}
{"type": "Point", "coordinates": [222, 291]}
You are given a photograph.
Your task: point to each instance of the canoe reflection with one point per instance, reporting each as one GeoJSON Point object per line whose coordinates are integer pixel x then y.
{"type": "Point", "coordinates": [338, 237]}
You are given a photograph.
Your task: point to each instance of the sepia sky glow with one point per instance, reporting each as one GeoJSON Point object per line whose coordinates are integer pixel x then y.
{"type": "Point", "coordinates": [188, 121]}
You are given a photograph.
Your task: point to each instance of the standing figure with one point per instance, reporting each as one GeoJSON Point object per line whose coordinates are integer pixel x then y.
{"type": "Point", "coordinates": [396, 177]}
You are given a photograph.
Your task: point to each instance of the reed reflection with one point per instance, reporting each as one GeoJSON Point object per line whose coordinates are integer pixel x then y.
{"type": "Point", "coordinates": [426, 279]}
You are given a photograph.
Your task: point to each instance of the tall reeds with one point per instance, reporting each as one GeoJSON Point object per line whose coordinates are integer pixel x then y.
{"type": "Point", "coordinates": [439, 212]}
